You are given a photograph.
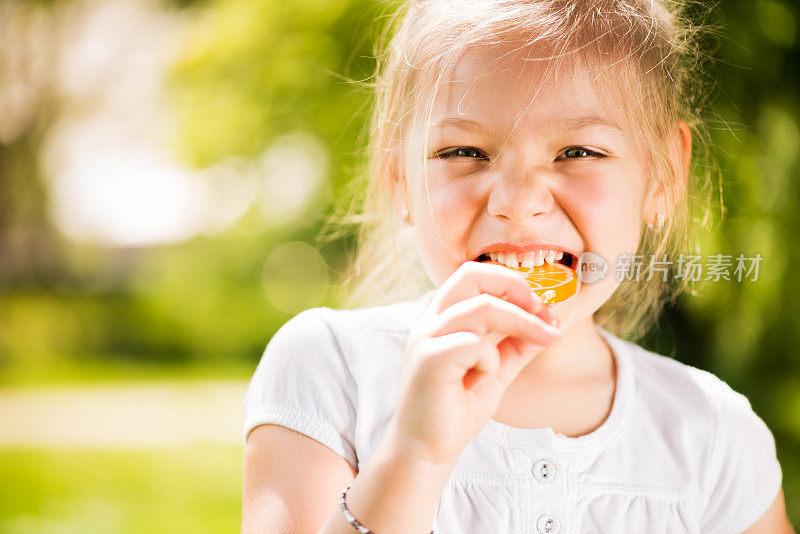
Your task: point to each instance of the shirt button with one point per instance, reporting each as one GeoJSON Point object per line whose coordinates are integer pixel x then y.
{"type": "Point", "coordinates": [547, 524]}
{"type": "Point", "coordinates": [544, 470]}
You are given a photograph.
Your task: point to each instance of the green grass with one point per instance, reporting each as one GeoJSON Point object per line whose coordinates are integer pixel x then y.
{"type": "Point", "coordinates": [96, 371]}
{"type": "Point", "coordinates": [195, 490]}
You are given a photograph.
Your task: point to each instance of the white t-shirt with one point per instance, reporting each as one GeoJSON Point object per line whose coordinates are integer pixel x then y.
{"type": "Point", "coordinates": [681, 452]}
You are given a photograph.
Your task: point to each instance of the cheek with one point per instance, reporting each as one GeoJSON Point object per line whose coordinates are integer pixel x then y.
{"type": "Point", "coordinates": [455, 208]}
{"type": "Point", "coordinates": [607, 214]}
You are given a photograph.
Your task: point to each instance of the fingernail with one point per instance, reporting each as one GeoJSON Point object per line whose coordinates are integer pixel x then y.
{"type": "Point", "coordinates": [553, 330]}
{"type": "Point", "coordinates": [549, 318]}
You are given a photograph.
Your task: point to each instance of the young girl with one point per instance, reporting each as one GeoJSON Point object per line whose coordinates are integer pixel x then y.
{"type": "Point", "coordinates": [518, 131]}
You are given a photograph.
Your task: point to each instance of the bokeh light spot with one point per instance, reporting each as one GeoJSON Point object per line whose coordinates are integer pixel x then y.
{"type": "Point", "coordinates": [295, 277]}
{"type": "Point", "coordinates": [777, 22]}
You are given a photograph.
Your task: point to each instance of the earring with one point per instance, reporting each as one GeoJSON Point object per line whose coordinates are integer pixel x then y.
{"type": "Point", "coordinates": [659, 224]}
{"type": "Point", "coordinates": [404, 213]}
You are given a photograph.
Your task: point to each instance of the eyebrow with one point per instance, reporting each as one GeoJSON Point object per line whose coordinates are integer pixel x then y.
{"type": "Point", "coordinates": [554, 127]}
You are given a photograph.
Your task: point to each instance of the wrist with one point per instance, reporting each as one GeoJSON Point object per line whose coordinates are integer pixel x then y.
{"type": "Point", "coordinates": [349, 516]}
{"type": "Point", "coordinates": [401, 450]}
{"type": "Point", "coordinates": [395, 492]}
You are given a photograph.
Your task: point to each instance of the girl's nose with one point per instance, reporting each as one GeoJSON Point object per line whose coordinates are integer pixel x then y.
{"type": "Point", "coordinates": [520, 198]}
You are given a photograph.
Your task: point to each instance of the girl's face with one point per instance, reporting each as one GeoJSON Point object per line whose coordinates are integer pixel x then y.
{"type": "Point", "coordinates": [553, 169]}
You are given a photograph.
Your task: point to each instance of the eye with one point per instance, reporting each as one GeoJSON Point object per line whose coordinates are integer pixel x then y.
{"type": "Point", "coordinates": [579, 152]}
{"type": "Point", "coordinates": [461, 152]}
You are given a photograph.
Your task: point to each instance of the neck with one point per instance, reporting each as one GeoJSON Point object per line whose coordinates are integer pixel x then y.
{"type": "Point", "coordinates": [582, 350]}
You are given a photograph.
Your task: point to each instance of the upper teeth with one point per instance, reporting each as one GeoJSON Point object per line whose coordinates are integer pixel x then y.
{"type": "Point", "coordinates": [527, 259]}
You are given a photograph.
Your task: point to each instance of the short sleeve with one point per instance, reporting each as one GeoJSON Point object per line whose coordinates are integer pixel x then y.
{"type": "Point", "coordinates": [744, 476]}
{"type": "Point", "coordinates": [303, 382]}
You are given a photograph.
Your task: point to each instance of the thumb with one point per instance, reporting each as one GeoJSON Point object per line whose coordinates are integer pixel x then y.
{"type": "Point", "coordinates": [515, 355]}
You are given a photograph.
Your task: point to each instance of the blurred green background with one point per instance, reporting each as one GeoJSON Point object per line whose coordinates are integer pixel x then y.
{"type": "Point", "coordinates": [165, 170]}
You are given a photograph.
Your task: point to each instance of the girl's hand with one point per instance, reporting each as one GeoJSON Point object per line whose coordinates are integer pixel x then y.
{"type": "Point", "coordinates": [462, 354]}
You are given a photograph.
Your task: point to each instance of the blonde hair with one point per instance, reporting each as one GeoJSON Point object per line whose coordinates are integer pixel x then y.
{"type": "Point", "coordinates": [666, 85]}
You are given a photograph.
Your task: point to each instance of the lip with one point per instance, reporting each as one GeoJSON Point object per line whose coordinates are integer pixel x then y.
{"type": "Point", "coordinates": [512, 247]}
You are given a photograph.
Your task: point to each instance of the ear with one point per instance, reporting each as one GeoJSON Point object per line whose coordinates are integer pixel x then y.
{"type": "Point", "coordinates": [394, 181]}
{"type": "Point", "coordinates": [682, 146]}
{"type": "Point", "coordinates": [663, 198]}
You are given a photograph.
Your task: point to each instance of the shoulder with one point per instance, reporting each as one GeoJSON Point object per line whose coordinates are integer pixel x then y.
{"type": "Point", "coordinates": [304, 333]}
{"type": "Point", "coordinates": [699, 413]}
{"type": "Point", "coordinates": [331, 324]}
{"type": "Point", "coordinates": [323, 332]}
{"type": "Point", "coordinates": [397, 317]}
{"type": "Point", "coordinates": [393, 317]}
{"type": "Point", "coordinates": [358, 329]}
{"type": "Point", "coordinates": [682, 405]}
{"type": "Point", "coordinates": [678, 386]}
{"type": "Point", "coordinates": [714, 430]}
{"type": "Point", "coordinates": [308, 347]}
{"type": "Point", "coordinates": [304, 381]}
{"type": "Point", "coordinates": [699, 397]}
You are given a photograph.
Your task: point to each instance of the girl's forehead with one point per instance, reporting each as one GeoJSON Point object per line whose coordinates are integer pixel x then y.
{"type": "Point", "coordinates": [504, 87]}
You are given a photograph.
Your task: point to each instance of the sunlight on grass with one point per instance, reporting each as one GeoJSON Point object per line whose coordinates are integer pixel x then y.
{"type": "Point", "coordinates": [195, 489]}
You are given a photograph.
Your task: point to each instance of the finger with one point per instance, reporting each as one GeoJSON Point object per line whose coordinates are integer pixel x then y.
{"type": "Point", "coordinates": [486, 313]}
{"type": "Point", "coordinates": [515, 355]}
{"type": "Point", "coordinates": [495, 337]}
{"type": "Point", "coordinates": [473, 278]}
{"type": "Point", "coordinates": [460, 351]}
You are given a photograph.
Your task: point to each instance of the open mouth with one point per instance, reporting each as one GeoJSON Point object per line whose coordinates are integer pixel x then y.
{"type": "Point", "coordinates": [530, 259]}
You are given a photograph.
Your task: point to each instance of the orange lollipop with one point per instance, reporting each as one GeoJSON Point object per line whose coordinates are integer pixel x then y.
{"type": "Point", "coordinates": [553, 283]}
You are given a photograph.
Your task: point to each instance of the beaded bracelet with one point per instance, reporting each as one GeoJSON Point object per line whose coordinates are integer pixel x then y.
{"type": "Point", "coordinates": [352, 520]}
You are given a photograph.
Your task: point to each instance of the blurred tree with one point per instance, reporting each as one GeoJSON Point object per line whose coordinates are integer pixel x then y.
{"type": "Point", "coordinates": [30, 249]}
{"type": "Point", "coordinates": [746, 332]}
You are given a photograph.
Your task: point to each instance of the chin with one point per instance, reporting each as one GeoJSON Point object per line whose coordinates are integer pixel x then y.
{"type": "Point", "coordinates": [574, 310]}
